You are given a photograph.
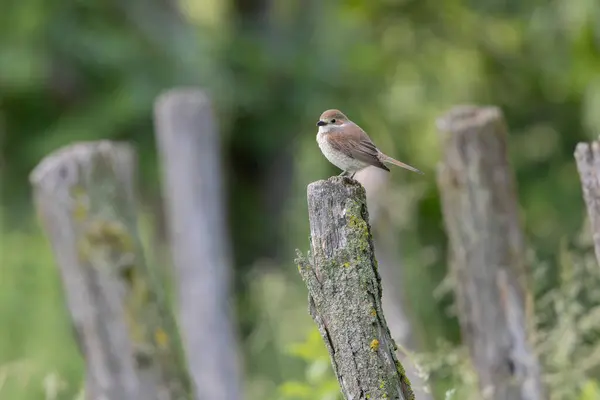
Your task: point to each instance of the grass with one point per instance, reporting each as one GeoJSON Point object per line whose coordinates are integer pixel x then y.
{"type": "Point", "coordinates": [40, 360]}
{"type": "Point", "coordinates": [35, 339]}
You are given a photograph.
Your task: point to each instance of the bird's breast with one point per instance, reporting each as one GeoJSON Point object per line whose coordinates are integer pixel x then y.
{"type": "Point", "coordinates": [325, 146]}
{"type": "Point", "coordinates": [336, 157]}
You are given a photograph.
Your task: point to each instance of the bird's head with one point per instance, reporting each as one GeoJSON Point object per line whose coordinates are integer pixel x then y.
{"type": "Point", "coordinates": [331, 120]}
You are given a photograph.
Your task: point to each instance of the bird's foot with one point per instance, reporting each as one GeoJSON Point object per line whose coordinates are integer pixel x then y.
{"type": "Point", "coordinates": [348, 175]}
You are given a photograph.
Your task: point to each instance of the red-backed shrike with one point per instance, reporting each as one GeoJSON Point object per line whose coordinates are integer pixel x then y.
{"type": "Point", "coordinates": [348, 147]}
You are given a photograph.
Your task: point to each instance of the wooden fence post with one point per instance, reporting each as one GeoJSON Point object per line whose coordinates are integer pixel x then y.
{"type": "Point", "coordinates": [386, 239]}
{"type": "Point", "coordinates": [84, 194]}
{"type": "Point", "coordinates": [189, 147]}
{"type": "Point", "coordinates": [487, 252]}
{"type": "Point", "coordinates": [587, 157]}
{"type": "Point", "coordinates": [345, 293]}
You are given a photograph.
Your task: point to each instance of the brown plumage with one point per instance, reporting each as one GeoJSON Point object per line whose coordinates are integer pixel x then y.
{"type": "Point", "coordinates": [348, 147]}
{"type": "Point", "coordinates": [355, 143]}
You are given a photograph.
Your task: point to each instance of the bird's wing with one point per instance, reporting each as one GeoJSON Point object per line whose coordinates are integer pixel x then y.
{"type": "Point", "coordinates": [355, 143]}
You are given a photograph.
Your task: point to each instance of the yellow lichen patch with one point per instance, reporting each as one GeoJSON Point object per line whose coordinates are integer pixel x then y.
{"type": "Point", "coordinates": [135, 330]}
{"type": "Point", "coordinates": [373, 312]}
{"type": "Point", "coordinates": [136, 305]}
{"type": "Point", "coordinates": [80, 211]}
{"type": "Point", "coordinates": [83, 250]}
{"type": "Point", "coordinates": [78, 193]}
{"type": "Point", "coordinates": [346, 265]}
{"type": "Point", "coordinates": [109, 233]}
{"type": "Point", "coordinates": [81, 203]}
{"type": "Point", "coordinates": [161, 338]}
{"type": "Point", "coordinates": [374, 345]}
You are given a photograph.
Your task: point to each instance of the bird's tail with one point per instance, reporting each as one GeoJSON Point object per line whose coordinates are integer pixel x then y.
{"type": "Point", "coordinates": [387, 159]}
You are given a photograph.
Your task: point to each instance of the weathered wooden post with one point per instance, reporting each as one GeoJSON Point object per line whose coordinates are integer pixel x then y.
{"type": "Point", "coordinates": [84, 194]}
{"type": "Point", "coordinates": [487, 252]}
{"type": "Point", "coordinates": [587, 156]}
{"type": "Point", "coordinates": [385, 239]}
{"type": "Point", "coordinates": [189, 147]}
{"type": "Point", "coordinates": [345, 293]}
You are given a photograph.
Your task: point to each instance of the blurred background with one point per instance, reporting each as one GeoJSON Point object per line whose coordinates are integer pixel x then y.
{"type": "Point", "coordinates": [89, 69]}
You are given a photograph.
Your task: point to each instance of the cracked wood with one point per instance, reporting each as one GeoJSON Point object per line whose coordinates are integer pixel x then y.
{"type": "Point", "coordinates": [487, 252]}
{"type": "Point", "coordinates": [344, 287]}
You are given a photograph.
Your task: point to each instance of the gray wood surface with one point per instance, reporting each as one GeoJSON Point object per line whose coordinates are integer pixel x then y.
{"type": "Point", "coordinates": [587, 156]}
{"type": "Point", "coordinates": [480, 211]}
{"type": "Point", "coordinates": [345, 293]}
{"type": "Point", "coordinates": [388, 252]}
{"type": "Point", "coordinates": [84, 194]}
{"type": "Point", "coordinates": [190, 152]}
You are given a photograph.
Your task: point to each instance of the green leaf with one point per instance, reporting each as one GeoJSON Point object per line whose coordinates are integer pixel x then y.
{"type": "Point", "coordinates": [590, 391]}
{"type": "Point", "coordinates": [295, 390]}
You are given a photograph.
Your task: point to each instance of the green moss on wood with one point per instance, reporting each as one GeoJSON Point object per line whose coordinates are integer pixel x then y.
{"type": "Point", "coordinates": [349, 269]}
{"type": "Point", "coordinates": [110, 235]}
{"type": "Point", "coordinates": [359, 234]}
{"type": "Point", "coordinates": [80, 204]}
{"type": "Point", "coordinates": [406, 385]}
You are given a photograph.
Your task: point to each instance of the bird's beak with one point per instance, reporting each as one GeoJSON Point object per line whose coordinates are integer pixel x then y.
{"type": "Point", "coordinates": [321, 123]}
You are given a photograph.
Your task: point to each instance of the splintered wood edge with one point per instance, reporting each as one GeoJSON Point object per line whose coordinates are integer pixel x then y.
{"type": "Point", "coordinates": [180, 103]}
{"type": "Point", "coordinates": [176, 96]}
{"type": "Point", "coordinates": [344, 181]}
{"type": "Point", "coordinates": [586, 152]}
{"type": "Point", "coordinates": [465, 117]}
{"type": "Point", "coordinates": [66, 157]}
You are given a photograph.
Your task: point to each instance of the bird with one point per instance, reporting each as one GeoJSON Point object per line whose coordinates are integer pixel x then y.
{"type": "Point", "coordinates": [348, 147]}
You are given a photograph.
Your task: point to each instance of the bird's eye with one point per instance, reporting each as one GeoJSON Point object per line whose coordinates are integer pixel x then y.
{"type": "Point", "coordinates": [333, 121]}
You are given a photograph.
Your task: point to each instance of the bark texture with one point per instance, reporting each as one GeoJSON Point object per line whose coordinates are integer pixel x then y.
{"type": "Point", "coordinates": [345, 293]}
{"type": "Point", "coordinates": [84, 195]}
{"type": "Point", "coordinates": [386, 239]}
{"type": "Point", "coordinates": [190, 151]}
{"type": "Point", "coordinates": [587, 157]}
{"type": "Point", "coordinates": [487, 252]}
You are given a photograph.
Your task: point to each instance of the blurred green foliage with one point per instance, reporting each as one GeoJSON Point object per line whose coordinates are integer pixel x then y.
{"type": "Point", "coordinates": [318, 382]}
{"type": "Point", "coordinates": [85, 70]}
{"type": "Point", "coordinates": [35, 339]}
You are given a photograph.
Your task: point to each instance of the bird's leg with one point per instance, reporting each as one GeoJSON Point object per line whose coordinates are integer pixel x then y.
{"type": "Point", "coordinates": [343, 173]}
{"type": "Point", "coordinates": [352, 176]}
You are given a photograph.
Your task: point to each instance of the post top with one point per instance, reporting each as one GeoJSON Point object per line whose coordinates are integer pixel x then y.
{"type": "Point", "coordinates": [64, 157]}
{"type": "Point", "coordinates": [336, 184]}
{"type": "Point", "coordinates": [465, 117]}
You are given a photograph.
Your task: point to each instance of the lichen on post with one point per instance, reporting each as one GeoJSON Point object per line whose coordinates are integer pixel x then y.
{"type": "Point", "coordinates": [84, 195]}
{"type": "Point", "coordinates": [344, 288]}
